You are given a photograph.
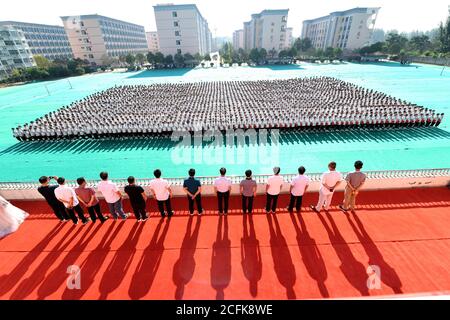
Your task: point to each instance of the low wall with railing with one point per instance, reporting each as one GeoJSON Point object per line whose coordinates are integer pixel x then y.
{"type": "Point", "coordinates": [376, 180]}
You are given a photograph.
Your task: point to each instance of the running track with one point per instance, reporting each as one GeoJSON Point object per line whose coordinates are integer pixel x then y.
{"type": "Point", "coordinates": [405, 232]}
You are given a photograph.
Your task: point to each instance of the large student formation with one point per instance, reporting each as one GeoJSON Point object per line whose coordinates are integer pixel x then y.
{"type": "Point", "coordinates": [70, 203]}
{"type": "Point", "coordinates": [148, 110]}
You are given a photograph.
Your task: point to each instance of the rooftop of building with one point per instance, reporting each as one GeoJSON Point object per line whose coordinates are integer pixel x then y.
{"type": "Point", "coordinates": [20, 23]}
{"type": "Point", "coordinates": [98, 16]}
{"type": "Point", "coordinates": [171, 6]}
{"type": "Point", "coordinates": [343, 13]}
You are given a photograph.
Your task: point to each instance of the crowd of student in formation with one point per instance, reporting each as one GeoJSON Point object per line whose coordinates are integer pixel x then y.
{"type": "Point", "coordinates": [68, 202]}
{"type": "Point", "coordinates": [293, 103]}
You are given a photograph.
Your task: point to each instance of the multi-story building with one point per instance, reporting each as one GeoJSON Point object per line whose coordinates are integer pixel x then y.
{"type": "Point", "coordinates": [152, 41]}
{"type": "Point", "coordinates": [96, 38]}
{"type": "Point", "coordinates": [45, 40]}
{"type": "Point", "coordinates": [238, 39]}
{"type": "Point", "coordinates": [182, 29]}
{"type": "Point", "coordinates": [266, 30]}
{"type": "Point", "coordinates": [289, 38]}
{"type": "Point", "coordinates": [350, 29]}
{"type": "Point", "coordinates": [14, 51]}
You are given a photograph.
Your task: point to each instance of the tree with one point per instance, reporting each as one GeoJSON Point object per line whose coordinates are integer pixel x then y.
{"type": "Point", "coordinates": [420, 43]}
{"type": "Point", "coordinates": [283, 54]}
{"type": "Point", "coordinates": [263, 54]}
{"type": "Point", "coordinates": [159, 57]}
{"type": "Point", "coordinates": [168, 59]}
{"type": "Point", "coordinates": [107, 60]}
{"type": "Point", "coordinates": [41, 62]}
{"type": "Point", "coordinates": [198, 57]}
{"type": "Point", "coordinates": [140, 58]}
{"type": "Point", "coordinates": [179, 58]}
{"type": "Point", "coordinates": [188, 57]}
{"type": "Point", "coordinates": [376, 47]}
{"type": "Point", "coordinates": [272, 53]}
{"type": "Point", "coordinates": [130, 59]}
{"type": "Point", "coordinates": [254, 55]}
{"type": "Point", "coordinates": [151, 58]}
{"type": "Point", "coordinates": [292, 52]}
{"type": "Point", "coordinates": [303, 45]}
{"type": "Point", "coordinates": [337, 53]}
{"type": "Point", "coordinates": [36, 73]}
{"type": "Point", "coordinates": [243, 55]}
{"type": "Point", "coordinates": [444, 36]}
{"type": "Point", "coordinates": [395, 42]}
{"type": "Point", "coordinates": [207, 57]}
{"type": "Point", "coordinates": [329, 53]}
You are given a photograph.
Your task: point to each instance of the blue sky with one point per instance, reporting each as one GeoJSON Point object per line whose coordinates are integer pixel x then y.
{"type": "Point", "coordinates": [228, 15]}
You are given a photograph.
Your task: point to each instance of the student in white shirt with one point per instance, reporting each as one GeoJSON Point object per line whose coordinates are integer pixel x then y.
{"type": "Point", "coordinates": [273, 189]}
{"type": "Point", "coordinates": [69, 198]}
{"type": "Point", "coordinates": [112, 195]}
{"type": "Point", "coordinates": [222, 187]}
{"type": "Point", "coordinates": [329, 182]}
{"type": "Point", "coordinates": [299, 185]}
{"type": "Point", "coordinates": [162, 192]}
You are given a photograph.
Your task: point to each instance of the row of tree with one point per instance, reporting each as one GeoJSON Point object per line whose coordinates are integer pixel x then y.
{"type": "Point", "coordinates": [46, 70]}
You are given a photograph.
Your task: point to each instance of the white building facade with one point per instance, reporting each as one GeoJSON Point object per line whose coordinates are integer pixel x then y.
{"type": "Point", "coordinates": [14, 51]}
{"type": "Point", "coordinates": [238, 39]}
{"type": "Point", "coordinates": [48, 41]}
{"type": "Point", "coordinates": [348, 30]}
{"type": "Point", "coordinates": [266, 30]}
{"type": "Point", "coordinates": [152, 41]}
{"type": "Point", "coordinates": [95, 38]}
{"type": "Point", "coordinates": [182, 29]}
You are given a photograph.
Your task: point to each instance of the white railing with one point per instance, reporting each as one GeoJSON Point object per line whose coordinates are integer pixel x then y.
{"type": "Point", "coordinates": [260, 179]}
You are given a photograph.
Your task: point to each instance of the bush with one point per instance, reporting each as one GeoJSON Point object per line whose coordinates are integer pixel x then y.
{"type": "Point", "coordinates": [80, 71]}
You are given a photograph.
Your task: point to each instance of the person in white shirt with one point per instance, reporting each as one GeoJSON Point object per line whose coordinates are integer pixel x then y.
{"type": "Point", "coordinates": [222, 187]}
{"type": "Point", "coordinates": [69, 198]}
{"type": "Point", "coordinates": [328, 183]}
{"type": "Point", "coordinates": [273, 189]}
{"type": "Point", "coordinates": [161, 191]}
{"type": "Point", "coordinates": [299, 185]}
{"type": "Point", "coordinates": [112, 195]}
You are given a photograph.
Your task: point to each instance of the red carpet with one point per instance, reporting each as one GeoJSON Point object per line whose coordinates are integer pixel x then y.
{"type": "Point", "coordinates": [406, 233]}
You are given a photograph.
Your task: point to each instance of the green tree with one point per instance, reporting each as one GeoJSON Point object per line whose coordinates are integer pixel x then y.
{"type": "Point", "coordinates": [376, 47]}
{"type": "Point", "coordinates": [254, 55]}
{"type": "Point", "coordinates": [395, 43]}
{"type": "Point", "coordinates": [140, 58]}
{"type": "Point", "coordinates": [198, 57]}
{"type": "Point", "coordinates": [151, 58]}
{"type": "Point", "coordinates": [337, 53]}
{"type": "Point", "coordinates": [420, 43]}
{"type": "Point", "coordinates": [159, 57]}
{"type": "Point", "coordinates": [130, 59]}
{"type": "Point", "coordinates": [207, 57]}
{"type": "Point", "coordinates": [178, 58]}
{"type": "Point", "coordinates": [168, 59]}
{"type": "Point", "coordinates": [303, 45]}
{"type": "Point", "coordinates": [329, 53]}
{"type": "Point", "coordinates": [243, 55]}
{"type": "Point", "coordinates": [263, 54]}
{"type": "Point", "coordinates": [444, 36]}
{"type": "Point", "coordinates": [283, 54]}
{"type": "Point", "coordinates": [42, 62]}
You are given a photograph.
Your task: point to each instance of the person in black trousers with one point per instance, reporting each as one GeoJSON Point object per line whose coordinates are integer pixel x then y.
{"type": "Point", "coordinates": [161, 191]}
{"type": "Point", "coordinates": [222, 187]}
{"type": "Point", "coordinates": [87, 198]}
{"type": "Point", "coordinates": [69, 198]}
{"type": "Point", "coordinates": [48, 192]}
{"type": "Point", "coordinates": [193, 189]}
{"type": "Point", "coordinates": [248, 192]}
{"type": "Point", "coordinates": [137, 199]}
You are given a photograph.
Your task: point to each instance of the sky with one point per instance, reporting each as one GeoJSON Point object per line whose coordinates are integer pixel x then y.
{"type": "Point", "coordinates": [228, 15]}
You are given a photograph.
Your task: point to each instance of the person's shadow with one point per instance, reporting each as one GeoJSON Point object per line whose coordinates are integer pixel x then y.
{"type": "Point", "coordinates": [353, 270]}
{"type": "Point", "coordinates": [149, 263]}
{"type": "Point", "coordinates": [59, 275]}
{"type": "Point", "coordinates": [221, 259]}
{"type": "Point", "coordinates": [388, 275]}
{"type": "Point", "coordinates": [8, 281]}
{"type": "Point", "coordinates": [251, 255]}
{"type": "Point", "coordinates": [94, 261]}
{"type": "Point", "coordinates": [184, 267]}
{"type": "Point", "coordinates": [312, 258]}
{"type": "Point", "coordinates": [120, 264]}
{"type": "Point", "coordinates": [282, 260]}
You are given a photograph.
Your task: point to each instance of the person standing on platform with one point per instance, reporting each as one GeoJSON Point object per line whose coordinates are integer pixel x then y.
{"type": "Point", "coordinates": [138, 198]}
{"type": "Point", "coordinates": [112, 195]}
{"type": "Point", "coordinates": [222, 187]}
{"type": "Point", "coordinates": [68, 197]}
{"type": "Point", "coordinates": [329, 182]}
{"type": "Point", "coordinates": [48, 192]}
{"type": "Point", "coordinates": [299, 185]}
{"type": "Point", "coordinates": [193, 189]}
{"type": "Point", "coordinates": [273, 189]}
{"type": "Point", "coordinates": [161, 191]}
{"type": "Point", "coordinates": [355, 181]}
{"type": "Point", "coordinates": [87, 198]}
{"type": "Point", "coordinates": [248, 191]}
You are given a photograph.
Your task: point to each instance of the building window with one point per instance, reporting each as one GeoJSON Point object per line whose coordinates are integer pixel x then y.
{"type": "Point", "coordinates": [175, 24]}
{"type": "Point", "coordinates": [179, 51]}
{"type": "Point", "coordinates": [177, 33]}
{"type": "Point", "coordinates": [91, 56]}
{"type": "Point", "coordinates": [174, 14]}
{"type": "Point", "coordinates": [178, 42]}
{"type": "Point", "coordinates": [284, 19]}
